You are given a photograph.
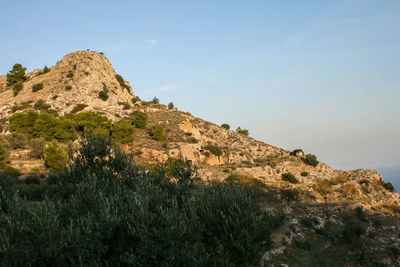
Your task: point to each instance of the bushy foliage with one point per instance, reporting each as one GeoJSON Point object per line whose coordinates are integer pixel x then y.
{"type": "Point", "coordinates": [41, 105]}
{"type": "Point", "coordinates": [289, 178]}
{"type": "Point", "coordinates": [90, 122]}
{"type": "Point", "coordinates": [304, 174]}
{"type": "Point", "coordinates": [3, 154]}
{"type": "Point", "coordinates": [37, 148]}
{"type": "Point", "coordinates": [121, 82]}
{"type": "Point", "coordinates": [123, 132]}
{"type": "Point", "coordinates": [17, 88]}
{"type": "Point", "coordinates": [242, 131]}
{"type": "Point", "coordinates": [103, 94]}
{"type": "Point", "coordinates": [155, 100]}
{"type": "Point", "coordinates": [36, 87]}
{"type": "Point", "coordinates": [226, 126]}
{"type": "Point", "coordinates": [324, 188]}
{"type": "Point", "coordinates": [171, 105]}
{"type": "Point", "coordinates": [78, 108]}
{"type": "Point", "coordinates": [388, 186]}
{"type": "Point", "coordinates": [16, 75]}
{"type": "Point", "coordinates": [290, 195]}
{"type": "Point", "coordinates": [157, 132]}
{"type": "Point", "coordinates": [125, 105]}
{"type": "Point", "coordinates": [46, 69]}
{"type": "Point", "coordinates": [216, 150]}
{"type": "Point", "coordinates": [55, 157]}
{"type": "Point", "coordinates": [294, 152]}
{"type": "Point", "coordinates": [23, 122]}
{"type": "Point", "coordinates": [104, 210]}
{"type": "Point", "coordinates": [17, 140]}
{"type": "Point", "coordinates": [249, 183]}
{"type": "Point", "coordinates": [139, 119]}
{"type": "Point", "coordinates": [311, 159]}
{"type": "Point", "coordinates": [68, 87]}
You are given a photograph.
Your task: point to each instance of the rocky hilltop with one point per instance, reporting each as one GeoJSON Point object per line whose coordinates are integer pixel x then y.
{"type": "Point", "coordinates": [86, 81]}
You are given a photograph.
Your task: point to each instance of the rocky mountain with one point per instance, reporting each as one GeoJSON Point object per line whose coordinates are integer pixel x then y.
{"type": "Point", "coordinates": [86, 81]}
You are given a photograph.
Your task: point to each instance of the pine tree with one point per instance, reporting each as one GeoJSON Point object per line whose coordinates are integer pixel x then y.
{"type": "Point", "coordinates": [16, 75]}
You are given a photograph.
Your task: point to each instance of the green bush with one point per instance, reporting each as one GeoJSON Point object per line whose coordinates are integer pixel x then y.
{"type": "Point", "coordinates": [352, 230]}
{"type": "Point", "coordinates": [304, 174]}
{"type": "Point", "coordinates": [311, 159]}
{"type": "Point", "coordinates": [226, 126]}
{"type": "Point", "coordinates": [54, 157]}
{"type": "Point", "coordinates": [217, 151]}
{"type": "Point", "coordinates": [139, 119]}
{"type": "Point", "coordinates": [294, 152]}
{"type": "Point", "coordinates": [90, 122]}
{"type": "Point", "coordinates": [45, 69]}
{"type": "Point", "coordinates": [37, 148]}
{"type": "Point", "coordinates": [242, 131]}
{"type": "Point", "coordinates": [157, 132]}
{"type": "Point", "coordinates": [123, 132]}
{"type": "Point", "coordinates": [68, 87]}
{"type": "Point", "coordinates": [155, 100]}
{"type": "Point", "coordinates": [16, 75]}
{"type": "Point", "coordinates": [103, 95]}
{"type": "Point", "coordinates": [41, 105]}
{"type": "Point", "coordinates": [3, 155]}
{"type": "Point", "coordinates": [70, 74]}
{"type": "Point", "coordinates": [125, 105]}
{"type": "Point", "coordinates": [17, 88]}
{"type": "Point", "coordinates": [136, 99]}
{"type": "Point", "coordinates": [388, 186]}
{"type": "Point", "coordinates": [17, 140]}
{"type": "Point", "coordinates": [119, 214]}
{"type": "Point", "coordinates": [121, 82]}
{"type": "Point", "coordinates": [289, 178]}
{"type": "Point", "coordinates": [171, 105]}
{"type": "Point", "coordinates": [37, 86]}
{"type": "Point", "coordinates": [32, 180]}
{"type": "Point", "coordinates": [78, 108]}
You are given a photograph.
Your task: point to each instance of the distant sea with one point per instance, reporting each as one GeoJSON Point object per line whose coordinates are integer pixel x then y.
{"type": "Point", "coordinates": [391, 174]}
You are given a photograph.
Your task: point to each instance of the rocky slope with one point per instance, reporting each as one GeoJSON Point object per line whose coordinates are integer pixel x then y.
{"type": "Point", "coordinates": [78, 79]}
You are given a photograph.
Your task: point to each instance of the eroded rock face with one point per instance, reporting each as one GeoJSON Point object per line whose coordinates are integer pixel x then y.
{"type": "Point", "coordinates": [76, 79]}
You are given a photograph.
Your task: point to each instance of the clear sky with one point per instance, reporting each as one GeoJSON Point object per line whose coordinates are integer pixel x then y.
{"type": "Point", "coordinates": [323, 76]}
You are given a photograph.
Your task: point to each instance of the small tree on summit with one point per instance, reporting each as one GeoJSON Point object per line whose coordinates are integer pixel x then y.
{"type": "Point", "coordinates": [16, 75]}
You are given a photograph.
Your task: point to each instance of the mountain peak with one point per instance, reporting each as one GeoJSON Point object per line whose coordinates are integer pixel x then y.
{"type": "Point", "coordinates": [81, 78]}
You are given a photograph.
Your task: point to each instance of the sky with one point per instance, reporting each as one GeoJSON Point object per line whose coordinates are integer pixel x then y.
{"type": "Point", "coordinates": [323, 76]}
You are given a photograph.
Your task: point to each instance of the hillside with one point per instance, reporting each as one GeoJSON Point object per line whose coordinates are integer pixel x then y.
{"type": "Point", "coordinates": [85, 81]}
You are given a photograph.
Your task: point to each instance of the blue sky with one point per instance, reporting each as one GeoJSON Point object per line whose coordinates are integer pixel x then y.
{"type": "Point", "coordinates": [319, 75]}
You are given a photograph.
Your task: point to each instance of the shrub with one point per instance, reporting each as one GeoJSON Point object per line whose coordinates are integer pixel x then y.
{"type": "Point", "coordinates": [17, 88]}
{"type": "Point", "coordinates": [90, 122]}
{"type": "Point", "coordinates": [304, 174]}
{"type": "Point", "coordinates": [242, 131]}
{"type": "Point", "coordinates": [226, 126]}
{"type": "Point", "coordinates": [155, 100]}
{"type": "Point", "coordinates": [136, 99]}
{"type": "Point", "coordinates": [253, 185]}
{"type": "Point", "coordinates": [70, 74]}
{"type": "Point", "coordinates": [103, 95]}
{"type": "Point", "coordinates": [171, 105]}
{"type": "Point", "coordinates": [22, 122]}
{"type": "Point", "coordinates": [78, 108]}
{"type": "Point", "coordinates": [16, 75]}
{"type": "Point", "coordinates": [360, 213]}
{"type": "Point", "coordinates": [3, 155]}
{"type": "Point", "coordinates": [311, 159]}
{"type": "Point", "coordinates": [296, 151]}
{"type": "Point", "coordinates": [54, 157]}
{"type": "Point", "coordinates": [121, 82]}
{"type": "Point", "coordinates": [157, 132]}
{"type": "Point", "coordinates": [37, 86]}
{"type": "Point", "coordinates": [207, 154]}
{"type": "Point", "coordinates": [45, 69]}
{"type": "Point", "coordinates": [119, 215]}
{"type": "Point", "coordinates": [41, 105]}
{"type": "Point", "coordinates": [323, 187]}
{"type": "Point", "coordinates": [290, 195]}
{"type": "Point", "coordinates": [139, 119]}
{"type": "Point", "coordinates": [37, 148]}
{"type": "Point", "coordinates": [217, 151]}
{"type": "Point", "coordinates": [125, 105]}
{"type": "Point", "coordinates": [123, 132]}
{"type": "Point", "coordinates": [31, 180]}
{"type": "Point", "coordinates": [352, 230]}
{"type": "Point", "coordinates": [306, 221]}
{"type": "Point", "coordinates": [35, 169]}
{"type": "Point", "coordinates": [289, 178]}
{"type": "Point", "coordinates": [68, 87]}
{"type": "Point", "coordinates": [388, 186]}
{"type": "Point", "coordinates": [17, 140]}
